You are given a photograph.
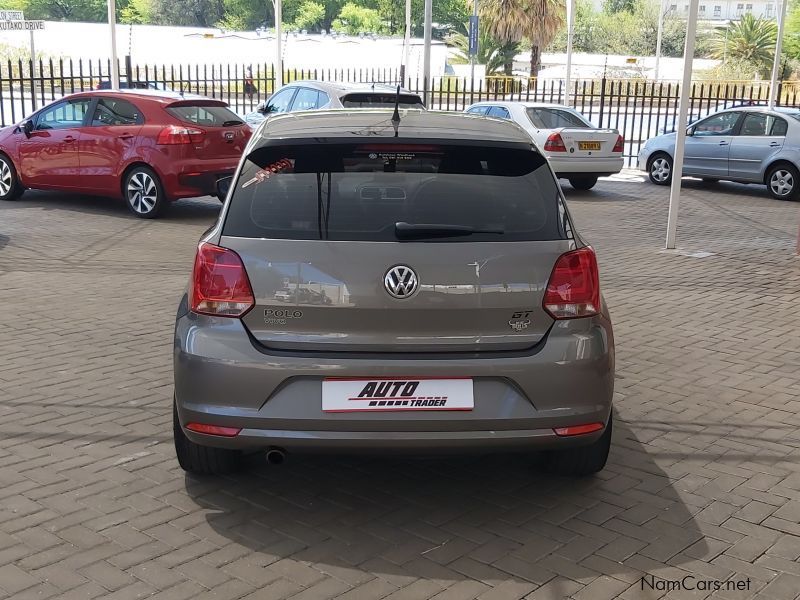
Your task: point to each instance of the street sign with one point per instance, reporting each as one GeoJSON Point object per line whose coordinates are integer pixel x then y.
{"type": "Point", "coordinates": [21, 25]}
{"type": "Point", "coordinates": [473, 35]}
{"type": "Point", "coordinates": [12, 15]}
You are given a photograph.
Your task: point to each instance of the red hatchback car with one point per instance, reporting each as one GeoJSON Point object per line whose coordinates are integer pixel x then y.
{"type": "Point", "coordinates": [146, 147]}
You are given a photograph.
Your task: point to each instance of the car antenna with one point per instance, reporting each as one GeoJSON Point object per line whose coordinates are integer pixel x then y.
{"type": "Point", "coordinates": [396, 115]}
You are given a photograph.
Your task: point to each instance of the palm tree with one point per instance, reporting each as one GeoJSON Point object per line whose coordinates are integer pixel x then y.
{"type": "Point", "coordinates": [537, 21]}
{"type": "Point", "coordinates": [498, 56]}
{"type": "Point", "coordinates": [750, 40]}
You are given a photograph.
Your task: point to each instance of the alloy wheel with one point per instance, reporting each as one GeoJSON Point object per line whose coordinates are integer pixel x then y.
{"type": "Point", "coordinates": [660, 169]}
{"type": "Point", "coordinates": [142, 192]}
{"type": "Point", "coordinates": [781, 182]}
{"type": "Point", "coordinates": [6, 178]}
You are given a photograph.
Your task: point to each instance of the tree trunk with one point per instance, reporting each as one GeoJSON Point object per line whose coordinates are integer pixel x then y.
{"type": "Point", "coordinates": [508, 68]}
{"type": "Point", "coordinates": [535, 60]}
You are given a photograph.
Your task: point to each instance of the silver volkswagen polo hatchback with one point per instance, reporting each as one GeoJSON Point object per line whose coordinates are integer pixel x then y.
{"type": "Point", "coordinates": [379, 281]}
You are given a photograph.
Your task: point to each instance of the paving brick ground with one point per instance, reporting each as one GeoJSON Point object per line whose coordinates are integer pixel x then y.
{"type": "Point", "coordinates": [703, 480]}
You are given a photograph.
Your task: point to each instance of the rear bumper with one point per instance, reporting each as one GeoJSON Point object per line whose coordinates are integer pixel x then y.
{"type": "Point", "coordinates": [189, 179]}
{"type": "Point", "coordinates": [221, 378]}
{"type": "Point", "coordinates": [565, 167]}
{"type": "Point", "coordinates": [394, 441]}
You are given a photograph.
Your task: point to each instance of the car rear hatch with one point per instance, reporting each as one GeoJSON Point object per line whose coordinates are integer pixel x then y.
{"type": "Point", "coordinates": [397, 247]}
{"type": "Point", "coordinates": [215, 131]}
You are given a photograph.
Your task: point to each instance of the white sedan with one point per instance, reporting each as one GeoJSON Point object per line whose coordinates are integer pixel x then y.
{"type": "Point", "coordinates": [577, 150]}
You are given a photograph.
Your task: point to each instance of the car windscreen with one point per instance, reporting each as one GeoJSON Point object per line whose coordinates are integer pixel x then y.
{"type": "Point", "coordinates": [554, 118]}
{"type": "Point", "coordinates": [361, 191]}
{"type": "Point", "coordinates": [205, 115]}
{"type": "Point", "coordinates": [380, 100]}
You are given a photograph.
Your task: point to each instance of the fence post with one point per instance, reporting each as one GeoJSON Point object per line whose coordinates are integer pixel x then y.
{"type": "Point", "coordinates": [602, 101]}
{"type": "Point", "coordinates": [128, 70]}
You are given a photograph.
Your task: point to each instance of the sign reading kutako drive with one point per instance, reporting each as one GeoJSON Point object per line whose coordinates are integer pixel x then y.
{"type": "Point", "coordinates": [21, 25]}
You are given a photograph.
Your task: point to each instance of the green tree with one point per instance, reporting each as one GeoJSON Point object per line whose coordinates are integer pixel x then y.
{"type": "Point", "coordinates": [309, 16]}
{"type": "Point", "coordinates": [537, 21]}
{"type": "Point", "coordinates": [62, 10]}
{"type": "Point", "coordinates": [354, 19]}
{"type": "Point", "coordinates": [615, 6]}
{"type": "Point", "coordinates": [137, 12]}
{"type": "Point", "coordinates": [750, 40]}
{"type": "Point", "coordinates": [791, 34]}
{"type": "Point", "coordinates": [197, 13]}
{"type": "Point", "coordinates": [496, 55]}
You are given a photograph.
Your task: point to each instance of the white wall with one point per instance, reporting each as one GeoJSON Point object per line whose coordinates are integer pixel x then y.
{"type": "Point", "coordinates": [187, 45]}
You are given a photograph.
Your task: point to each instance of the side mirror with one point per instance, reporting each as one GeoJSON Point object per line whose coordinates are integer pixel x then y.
{"type": "Point", "coordinates": [690, 131]}
{"type": "Point", "coordinates": [27, 128]}
{"type": "Point", "coordinates": [223, 186]}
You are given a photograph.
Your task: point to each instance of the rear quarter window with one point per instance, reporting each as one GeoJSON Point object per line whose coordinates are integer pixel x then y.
{"type": "Point", "coordinates": [205, 116]}
{"type": "Point", "coordinates": [359, 192]}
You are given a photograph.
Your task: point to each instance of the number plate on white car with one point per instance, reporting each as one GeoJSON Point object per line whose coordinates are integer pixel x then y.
{"type": "Point", "coordinates": [398, 394]}
{"type": "Point", "coordinates": [588, 145]}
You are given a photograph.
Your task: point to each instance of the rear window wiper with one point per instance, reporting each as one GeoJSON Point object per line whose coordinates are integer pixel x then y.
{"type": "Point", "coordinates": [406, 231]}
{"type": "Point", "coordinates": [232, 122]}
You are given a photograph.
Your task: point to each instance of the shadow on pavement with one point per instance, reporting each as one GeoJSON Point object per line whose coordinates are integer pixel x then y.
{"type": "Point", "coordinates": [490, 519]}
{"type": "Point", "coordinates": [187, 211]}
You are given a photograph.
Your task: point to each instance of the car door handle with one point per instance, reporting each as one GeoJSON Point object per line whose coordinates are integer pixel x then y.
{"type": "Point", "coordinates": [774, 144]}
{"type": "Point", "coordinates": [125, 136]}
{"type": "Point", "coordinates": [723, 143]}
{"type": "Point", "coordinates": [69, 139]}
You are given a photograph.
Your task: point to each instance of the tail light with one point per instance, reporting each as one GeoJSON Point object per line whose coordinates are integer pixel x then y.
{"type": "Point", "coordinates": [573, 290]}
{"type": "Point", "coordinates": [173, 134]}
{"type": "Point", "coordinates": [219, 286]}
{"type": "Point", "coordinates": [554, 143]}
{"type": "Point", "coordinates": [619, 146]}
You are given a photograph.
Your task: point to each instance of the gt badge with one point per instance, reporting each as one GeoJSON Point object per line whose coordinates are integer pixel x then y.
{"type": "Point", "coordinates": [520, 320]}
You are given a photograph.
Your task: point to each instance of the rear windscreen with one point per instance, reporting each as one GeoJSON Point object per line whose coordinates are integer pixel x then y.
{"type": "Point", "coordinates": [206, 116]}
{"type": "Point", "coordinates": [360, 192]}
{"type": "Point", "coordinates": [377, 100]}
{"type": "Point", "coordinates": [553, 118]}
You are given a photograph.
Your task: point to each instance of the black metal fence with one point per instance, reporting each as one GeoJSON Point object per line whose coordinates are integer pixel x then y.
{"type": "Point", "coordinates": [639, 109]}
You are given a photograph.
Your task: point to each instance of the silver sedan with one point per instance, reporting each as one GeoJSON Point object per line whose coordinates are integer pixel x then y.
{"type": "Point", "coordinates": [745, 144]}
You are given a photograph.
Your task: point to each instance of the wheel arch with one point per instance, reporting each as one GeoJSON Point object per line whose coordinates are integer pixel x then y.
{"type": "Point", "coordinates": [775, 163]}
{"type": "Point", "coordinates": [126, 171]}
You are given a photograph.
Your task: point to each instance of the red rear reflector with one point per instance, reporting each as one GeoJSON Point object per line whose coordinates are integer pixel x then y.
{"type": "Point", "coordinates": [213, 429]}
{"type": "Point", "coordinates": [173, 134]}
{"type": "Point", "coordinates": [220, 286]}
{"type": "Point", "coordinates": [574, 287]}
{"type": "Point", "coordinates": [578, 429]}
{"type": "Point", "coordinates": [619, 146]}
{"type": "Point", "coordinates": [554, 143]}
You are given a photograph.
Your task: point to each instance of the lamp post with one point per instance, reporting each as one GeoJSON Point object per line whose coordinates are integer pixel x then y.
{"type": "Point", "coordinates": [112, 26]}
{"type": "Point", "coordinates": [773, 88]}
{"type": "Point", "coordinates": [278, 4]}
{"type": "Point", "coordinates": [660, 35]}
{"type": "Point", "coordinates": [426, 57]}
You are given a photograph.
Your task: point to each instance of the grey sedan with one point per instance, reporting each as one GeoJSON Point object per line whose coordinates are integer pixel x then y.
{"type": "Point", "coordinates": [745, 144]}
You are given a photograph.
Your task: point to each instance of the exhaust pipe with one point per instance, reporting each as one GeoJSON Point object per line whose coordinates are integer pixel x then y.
{"type": "Point", "coordinates": [276, 456]}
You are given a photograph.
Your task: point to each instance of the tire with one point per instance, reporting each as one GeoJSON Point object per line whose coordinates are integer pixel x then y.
{"type": "Point", "coordinates": [583, 183]}
{"type": "Point", "coordinates": [143, 192]}
{"type": "Point", "coordinates": [201, 460]}
{"type": "Point", "coordinates": [582, 460]}
{"type": "Point", "coordinates": [10, 187]}
{"type": "Point", "coordinates": [659, 169]}
{"type": "Point", "coordinates": [783, 182]}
